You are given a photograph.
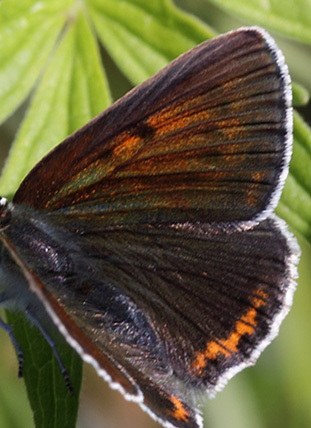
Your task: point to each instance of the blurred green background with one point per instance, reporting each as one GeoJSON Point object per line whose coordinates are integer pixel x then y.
{"type": "Point", "coordinates": [276, 393]}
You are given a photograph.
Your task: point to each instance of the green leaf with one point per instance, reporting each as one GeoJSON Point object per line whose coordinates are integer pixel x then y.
{"type": "Point", "coordinates": [15, 9]}
{"type": "Point", "coordinates": [90, 93]}
{"type": "Point", "coordinates": [52, 404]}
{"type": "Point", "coordinates": [27, 37]}
{"type": "Point", "coordinates": [295, 203]}
{"type": "Point", "coordinates": [301, 95]}
{"type": "Point", "coordinates": [142, 37]}
{"type": "Point", "coordinates": [11, 391]}
{"type": "Point", "coordinates": [290, 17]}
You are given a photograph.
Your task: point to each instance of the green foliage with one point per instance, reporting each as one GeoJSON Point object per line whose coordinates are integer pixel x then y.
{"type": "Point", "coordinates": [289, 17]}
{"type": "Point", "coordinates": [53, 46]}
{"type": "Point", "coordinates": [295, 204]}
{"type": "Point", "coordinates": [52, 404]}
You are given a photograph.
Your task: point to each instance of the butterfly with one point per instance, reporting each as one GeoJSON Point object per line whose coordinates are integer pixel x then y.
{"type": "Point", "coordinates": [148, 237]}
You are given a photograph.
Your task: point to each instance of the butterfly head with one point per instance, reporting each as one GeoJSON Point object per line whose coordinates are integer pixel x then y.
{"type": "Point", "coordinates": [5, 214]}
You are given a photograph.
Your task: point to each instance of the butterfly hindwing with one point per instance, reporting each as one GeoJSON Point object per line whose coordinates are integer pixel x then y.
{"type": "Point", "coordinates": [180, 278]}
{"type": "Point", "coordinates": [178, 308]}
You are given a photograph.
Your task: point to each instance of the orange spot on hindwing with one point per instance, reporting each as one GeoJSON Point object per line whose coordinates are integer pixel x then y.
{"type": "Point", "coordinates": [228, 346]}
{"type": "Point", "coordinates": [179, 412]}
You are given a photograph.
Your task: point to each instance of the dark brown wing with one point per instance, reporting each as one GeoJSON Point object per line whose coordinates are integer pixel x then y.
{"type": "Point", "coordinates": [211, 297]}
{"type": "Point", "coordinates": [166, 311]}
{"type": "Point", "coordinates": [207, 138]}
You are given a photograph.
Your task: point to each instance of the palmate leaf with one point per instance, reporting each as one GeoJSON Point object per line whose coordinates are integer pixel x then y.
{"type": "Point", "coordinates": [141, 37]}
{"type": "Point", "coordinates": [27, 37]}
{"type": "Point", "coordinates": [51, 403]}
{"type": "Point", "coordinates": [291, 18]}
{"type": "Point", "coordinates": [295, 203]}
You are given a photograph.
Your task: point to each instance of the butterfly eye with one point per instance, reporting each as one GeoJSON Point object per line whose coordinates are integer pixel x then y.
{"type": "Point", "coordinates": [5, 214]}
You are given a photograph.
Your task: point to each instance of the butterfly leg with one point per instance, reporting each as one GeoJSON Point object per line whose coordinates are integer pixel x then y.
{"type": "Point", "coordinates": [52, 344]}
{"type": "Point", "coordinates": [8, 328]}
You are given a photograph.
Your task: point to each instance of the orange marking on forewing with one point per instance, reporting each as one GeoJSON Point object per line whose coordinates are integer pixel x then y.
{"type": "Point", "coordinates": [127, 147]}
{"type": "Point", "coordinates": [176, 118]}
{"type": "Point", "coordinates": [245, 325]}
{"type": "Point", "coordinates": [253, 196]}
{"type": "Point", "coordinates": [230, 128]}
{"type": "Point", "coordinates": [179, 413]}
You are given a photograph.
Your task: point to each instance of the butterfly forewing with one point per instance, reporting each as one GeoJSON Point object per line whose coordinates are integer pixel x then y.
{"type": "Point", "coordinates": [204, 139]}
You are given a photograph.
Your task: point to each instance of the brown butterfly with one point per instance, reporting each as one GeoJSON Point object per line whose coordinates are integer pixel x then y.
{"type": "Point", "coordinates": [148, 237]}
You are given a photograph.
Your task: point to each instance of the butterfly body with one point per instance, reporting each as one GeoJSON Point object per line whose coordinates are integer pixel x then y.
{"type": "Point", "coordinates": [150, 243]}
